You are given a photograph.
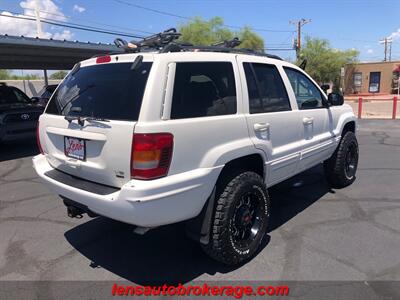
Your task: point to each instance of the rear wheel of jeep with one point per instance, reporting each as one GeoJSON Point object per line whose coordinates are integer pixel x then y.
{"type": "Point", "coordinates": [340, 169]}
{"type": "Point", "coordinates": [240, 219]}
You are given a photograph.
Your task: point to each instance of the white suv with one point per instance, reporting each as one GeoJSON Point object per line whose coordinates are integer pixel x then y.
{"type": "Point", "coordinates": [195, 135]}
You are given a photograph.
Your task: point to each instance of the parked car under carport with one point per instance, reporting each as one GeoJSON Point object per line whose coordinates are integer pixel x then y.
{"type": "Point", "coordinates": [18, 115]}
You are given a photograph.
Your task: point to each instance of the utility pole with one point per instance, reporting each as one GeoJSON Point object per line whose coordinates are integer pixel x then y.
{"type": "Point", "coordinates": [300, 23]}
{"type": "Point", "coordinates": [38, 24]}
{"type": "Point", "coordinates": [388, 48]}
{"type": "Point", "coordinates": [40, 35]}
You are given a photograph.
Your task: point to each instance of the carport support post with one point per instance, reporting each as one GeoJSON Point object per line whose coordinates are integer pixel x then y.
{"type": "Point", "coordinates": [46, 79]}
{"type": "Point", "coordinates": [359, 107]}
{"type": "Point", "coordinates": [394, 107]}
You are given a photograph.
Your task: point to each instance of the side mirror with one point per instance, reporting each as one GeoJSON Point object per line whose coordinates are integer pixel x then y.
{"type": "Point", "coordinates": [335, 99]}
{"type": "Point", "coordinates": [35, 99]}
{"type": "Point", "coordinates": [325, 87]}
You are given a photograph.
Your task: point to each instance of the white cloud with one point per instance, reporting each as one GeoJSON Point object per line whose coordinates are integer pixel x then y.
{"type": "Point", "coordinates": [48, 9]}
{"type": "Point", "coordinates": [64, 35]}
{"type": "Point", "coordinates": [395, 35]}
{"type": "Point", "coordinates": [79, 9]}
{"type": "Point", "coordinates": [370, 51]}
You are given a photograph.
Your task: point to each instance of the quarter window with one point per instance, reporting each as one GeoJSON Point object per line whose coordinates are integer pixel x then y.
{"type": "Point", "coordinates": [308, 96]}
{"type": "Point", "coordinates": [267, 92]}
{"type": "Point", "coordinates": [203, 89]}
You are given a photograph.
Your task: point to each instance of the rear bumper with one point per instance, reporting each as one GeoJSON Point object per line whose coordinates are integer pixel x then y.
{"type": "Point", "coordinates": [143, 203]}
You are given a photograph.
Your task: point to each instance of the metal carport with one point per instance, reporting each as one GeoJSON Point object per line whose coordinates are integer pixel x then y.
{"type": "Point", "coordinates": [19, 52]}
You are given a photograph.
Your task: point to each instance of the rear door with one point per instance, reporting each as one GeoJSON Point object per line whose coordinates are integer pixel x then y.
{"type": "Point", "coordinates": [88, 124]}
{"type": "Point", "coordinates": [272, 123]}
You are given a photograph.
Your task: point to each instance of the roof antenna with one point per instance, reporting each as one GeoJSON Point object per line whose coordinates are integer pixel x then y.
{"type": "Point", "coordinates": [303, 65]}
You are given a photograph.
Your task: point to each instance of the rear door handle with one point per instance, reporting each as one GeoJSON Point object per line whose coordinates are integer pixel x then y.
{"type": "Point", "coordinates": [261, 126]}
{"type": "Point", "coordinates": [308, 120]}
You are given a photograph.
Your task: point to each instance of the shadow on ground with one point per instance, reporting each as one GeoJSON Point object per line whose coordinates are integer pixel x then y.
{"type": "Point", "coordinates": [18, 150]}
{"type": "Point", "coordinates": [165, 255]}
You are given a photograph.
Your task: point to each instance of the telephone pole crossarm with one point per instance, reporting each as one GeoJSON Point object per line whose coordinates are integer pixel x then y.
{"type": "Point", "coordinates": [299, 23]}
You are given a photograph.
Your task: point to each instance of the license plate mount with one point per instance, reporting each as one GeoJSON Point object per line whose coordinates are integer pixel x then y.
{"type": "Point", "coordinates": [75, 147]}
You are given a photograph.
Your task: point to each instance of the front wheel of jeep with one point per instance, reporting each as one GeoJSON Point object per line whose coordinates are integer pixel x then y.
{"type": "Point", "coordinates": [240, 219]}
{"type": "Point", "coordinates": [341, 168]}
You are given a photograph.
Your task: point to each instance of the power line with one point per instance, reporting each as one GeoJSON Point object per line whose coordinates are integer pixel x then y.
{"type": "Point", "coordinates": [72, 25]}
{"type": "Point", "coordinates": [90, 21]}
{"type": "Point", "coordinates": [189, 18]}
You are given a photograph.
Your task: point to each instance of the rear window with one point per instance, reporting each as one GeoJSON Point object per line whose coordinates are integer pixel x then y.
{"type": "Point", "coordinates": [203, 89]}
{"type": "Point", "coordinates": [109, 91]}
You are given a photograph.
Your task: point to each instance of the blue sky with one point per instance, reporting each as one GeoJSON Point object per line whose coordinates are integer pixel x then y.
{"type": "Point", "coordinates": [345, 23]}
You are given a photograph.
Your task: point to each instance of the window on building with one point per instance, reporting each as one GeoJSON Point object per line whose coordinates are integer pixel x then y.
{"type": "Point", "coordinates": [203, 89]}
{"type": "Point", "coordinates": [357, 79]}
{"type": "Point", "coordinates": [267, 93]}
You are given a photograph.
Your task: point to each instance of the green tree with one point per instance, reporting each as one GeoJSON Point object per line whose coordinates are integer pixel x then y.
{"type": "Point", "coordinates": [324, 62]}
{"type": "Point", "coordinates": [25, 77]}
{"type": "Point", "coordinates": [58, 75]}
{"type": "Point", "coordinates": [4, 74]}
{"type": "Point", "coordinates": [7, 75]}
{"type": "Point", "coordinates": [205, 33]}
{"type": "Point", "coordinates": [250, 39]}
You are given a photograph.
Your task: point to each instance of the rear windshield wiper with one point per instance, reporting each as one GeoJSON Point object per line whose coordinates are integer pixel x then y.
{"type": "Point", "coordinates": [81, 120]}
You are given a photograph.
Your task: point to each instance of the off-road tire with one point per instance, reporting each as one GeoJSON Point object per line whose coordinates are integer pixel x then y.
{"type": "Point", "coordinates": [335, 166]}
{"type": "Point", "coordinates": [221, 246]}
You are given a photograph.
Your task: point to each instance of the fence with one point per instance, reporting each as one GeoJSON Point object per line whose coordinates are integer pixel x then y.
{"type": "Point", "coordinates": [385, 108]}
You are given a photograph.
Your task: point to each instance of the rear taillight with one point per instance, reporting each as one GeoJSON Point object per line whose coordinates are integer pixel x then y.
{"type": "Point", "coordinates": [103, 59]}
{"type": "Point", "coordinates": [38, 138]}
{"type": "Point", "coordinates": [151, 155]}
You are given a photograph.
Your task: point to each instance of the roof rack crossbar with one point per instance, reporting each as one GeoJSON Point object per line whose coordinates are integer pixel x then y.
{"type": "Point", "coordinates": [226, 50]}
{"type": "Point", "coordinates": [228, 44]}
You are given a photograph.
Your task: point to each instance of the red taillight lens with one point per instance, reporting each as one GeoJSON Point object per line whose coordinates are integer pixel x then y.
{"type": "Point", "coordinates": [151, 155]}
{"type": "Point", "coordinates": [38, 138]}
{"type": "Point", "coordinates": [103, 59]}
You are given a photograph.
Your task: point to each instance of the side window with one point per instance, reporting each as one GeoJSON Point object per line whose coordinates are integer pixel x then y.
{"type": "Point", "coordinates": [267, 92]}
{"type": "Point", "coordinates": [20, 95]}
{"type": "Point", "coordinates": [203, 89]}
{"type": "Point", "coordinates": [308, 96]}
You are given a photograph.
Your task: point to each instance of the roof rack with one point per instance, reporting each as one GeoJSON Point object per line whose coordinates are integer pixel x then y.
{"type": "Point", "coordinates": [228, 44]}
{"type": "Point", "coordinates": [164, 42]}
{"type": "Point", "coordinates": [155, 41]}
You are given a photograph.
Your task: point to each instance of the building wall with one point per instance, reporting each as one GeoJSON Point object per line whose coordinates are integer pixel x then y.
{"type": "Point", "coordinates": [29, 87]}
{"type": "Point", "coordinates": [386, 69]}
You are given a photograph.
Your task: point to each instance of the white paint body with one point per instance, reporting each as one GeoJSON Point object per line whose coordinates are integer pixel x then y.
{"type": "Point", "coordinates": [291, 141]}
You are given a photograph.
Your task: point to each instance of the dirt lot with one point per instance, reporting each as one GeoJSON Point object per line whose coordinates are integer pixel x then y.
{"type": "Point", "coordinates": [315, 234]}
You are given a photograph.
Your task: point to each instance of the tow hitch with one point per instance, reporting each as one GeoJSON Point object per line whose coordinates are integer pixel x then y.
{"type": "Point", "coordinates": [74, 212]}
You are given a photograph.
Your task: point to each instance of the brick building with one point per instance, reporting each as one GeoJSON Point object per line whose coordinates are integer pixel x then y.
{"type": "Point", "coordinates": [371, 78]}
